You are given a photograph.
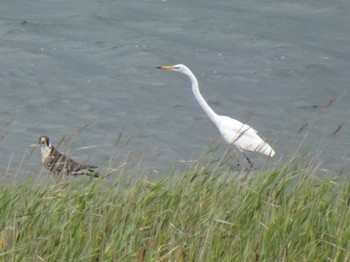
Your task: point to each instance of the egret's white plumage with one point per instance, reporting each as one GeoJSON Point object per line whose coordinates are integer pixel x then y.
{"type": "Point", "coordinates": [233, 131]}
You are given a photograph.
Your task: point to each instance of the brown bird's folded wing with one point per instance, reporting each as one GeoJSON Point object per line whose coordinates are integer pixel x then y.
{"type": "Point", "coordinates": [62, 164]}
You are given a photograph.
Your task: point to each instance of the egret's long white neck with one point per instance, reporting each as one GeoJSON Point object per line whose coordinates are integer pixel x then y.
{"type": "Point", "coordinates": [195, 89]}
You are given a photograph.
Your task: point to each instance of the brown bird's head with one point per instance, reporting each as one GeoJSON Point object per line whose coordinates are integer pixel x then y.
{"type": "Point", "coordinates": [44, 141]}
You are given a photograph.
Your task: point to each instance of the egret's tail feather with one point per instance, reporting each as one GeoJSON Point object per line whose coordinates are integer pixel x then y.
{"type": "Point", "coordinates": [265, 149]}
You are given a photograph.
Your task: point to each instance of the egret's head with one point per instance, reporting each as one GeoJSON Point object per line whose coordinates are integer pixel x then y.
{"type": "Point", "coordinates": [179, 68]}
{"type": "Point", "coordinates": [44, 141]}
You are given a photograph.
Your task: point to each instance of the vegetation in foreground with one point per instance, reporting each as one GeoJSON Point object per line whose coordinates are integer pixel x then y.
{"type": "Point", "coordinates": [202, 214]}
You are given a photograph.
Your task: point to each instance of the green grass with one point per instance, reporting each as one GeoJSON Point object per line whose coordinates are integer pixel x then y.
{"type": "Point", "coordinates": [202, 214]}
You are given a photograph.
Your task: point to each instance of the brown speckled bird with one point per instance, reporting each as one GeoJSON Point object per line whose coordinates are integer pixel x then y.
{"type": "Point", "coordinates": [61, 164]}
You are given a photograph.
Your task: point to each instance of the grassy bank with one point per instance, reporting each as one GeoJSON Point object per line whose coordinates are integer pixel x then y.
{"type": "Point", "coordinates": [284, 214]}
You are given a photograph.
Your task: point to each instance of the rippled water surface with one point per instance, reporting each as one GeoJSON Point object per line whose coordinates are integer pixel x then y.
{"type": "Point", "coordinates": [279, 65]}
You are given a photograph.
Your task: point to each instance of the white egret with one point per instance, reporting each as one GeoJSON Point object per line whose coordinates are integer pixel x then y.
{"type": "Point", "coordinates": [233, 131]}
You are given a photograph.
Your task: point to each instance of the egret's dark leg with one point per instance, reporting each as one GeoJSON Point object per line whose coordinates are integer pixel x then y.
{"type": "Point", "coordinates": [250, 162]}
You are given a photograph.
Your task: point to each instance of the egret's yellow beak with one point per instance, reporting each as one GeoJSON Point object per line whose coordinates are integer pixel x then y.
{"type": "Point", "coordinates": [166, 67]}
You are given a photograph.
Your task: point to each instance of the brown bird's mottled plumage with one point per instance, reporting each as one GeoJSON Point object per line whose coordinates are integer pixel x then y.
{"type": "Point", "coordinates": [61, 164]}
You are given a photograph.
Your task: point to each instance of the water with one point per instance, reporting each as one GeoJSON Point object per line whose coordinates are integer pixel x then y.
{"type": "Point", "coordinates": [274, 63]}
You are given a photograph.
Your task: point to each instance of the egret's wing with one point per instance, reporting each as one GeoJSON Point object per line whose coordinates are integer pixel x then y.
{"type": "Point", "coordinates": [233, 130]}
{"type": "Point", "coordinates": [243, 136]}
